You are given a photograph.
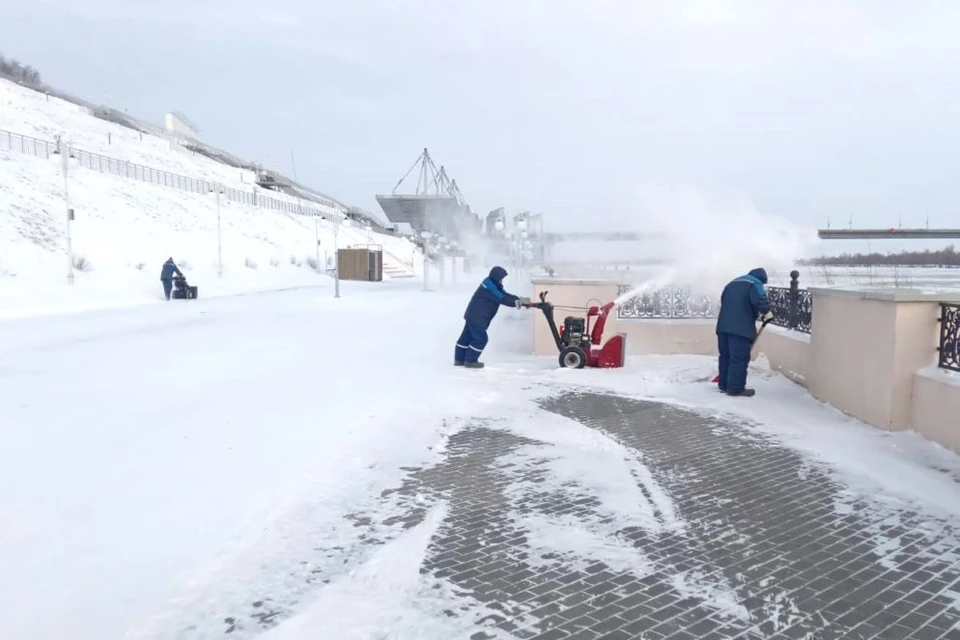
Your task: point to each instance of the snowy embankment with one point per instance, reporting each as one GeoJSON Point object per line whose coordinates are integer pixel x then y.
{"type": "Point", "coordinates": [168, 467]}
{"type": "Point", "coordinates": [124, 228]}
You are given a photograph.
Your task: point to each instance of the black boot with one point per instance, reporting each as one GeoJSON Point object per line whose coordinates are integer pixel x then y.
{"type": "Point", "coordinates": [746, 393]}
{"type": "Point", "coordinates": [474, 365]}
{"type": "Point", "coordinates": [457, 363]}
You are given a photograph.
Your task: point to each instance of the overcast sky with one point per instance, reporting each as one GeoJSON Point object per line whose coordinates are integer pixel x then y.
{"type": "Point", "coordinates": [815, 109]}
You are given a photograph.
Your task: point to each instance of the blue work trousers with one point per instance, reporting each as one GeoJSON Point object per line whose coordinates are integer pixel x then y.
{"type": "Point", "coordinates": [734, 358]}
{"type": "Point", "coordinates": [470, 344]}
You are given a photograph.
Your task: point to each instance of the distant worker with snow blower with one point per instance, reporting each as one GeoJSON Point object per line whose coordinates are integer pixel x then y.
{"type": "Point", "coordinates": [480, 311]}
{"type": "Point", "coordinates": [743, 301]}
{"type": "Point", "coordinates": [166, 276]}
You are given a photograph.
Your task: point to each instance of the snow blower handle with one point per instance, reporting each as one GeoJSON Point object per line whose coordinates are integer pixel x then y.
{"type": "Point", "coordinates": [526, 302]}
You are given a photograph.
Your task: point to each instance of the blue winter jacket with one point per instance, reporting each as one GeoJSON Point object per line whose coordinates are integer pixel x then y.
{"type": "Point", "coordinates": [743, 301]}
{"type": "Point", "coordinates": [487, 299]}
{"type": "Point", "coordinates": [169, 268]}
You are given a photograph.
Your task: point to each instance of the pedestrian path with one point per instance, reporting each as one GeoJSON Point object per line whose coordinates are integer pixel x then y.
{"type": "Point", "coordinates": [770, 545]}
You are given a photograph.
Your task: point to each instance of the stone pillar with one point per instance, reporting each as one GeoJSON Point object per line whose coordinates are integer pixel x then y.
{"type": "Point", "coordinates": [866, 347]}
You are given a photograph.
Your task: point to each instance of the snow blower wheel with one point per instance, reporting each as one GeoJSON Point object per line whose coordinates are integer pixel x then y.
{"type": "Point", "coordinates": [573, 358]}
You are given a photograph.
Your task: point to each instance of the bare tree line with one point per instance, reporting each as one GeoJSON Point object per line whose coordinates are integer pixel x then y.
{"type": "Point", "coordinates": [29, 77]}
{"type": "Point", "coordinates": [23, 73]}
{"type": "Point", "coordinates": [946, 257]}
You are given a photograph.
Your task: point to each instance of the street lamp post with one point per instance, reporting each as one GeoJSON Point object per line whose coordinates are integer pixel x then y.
{"type": "Point", "coordinates": [336, 259]}
{"type": "Point", "coordinates": [453, 268]}
{"type": "Point", "coordinates": [316, 235]}
{"type": "Point", "coordinates": [217, 189]}
{"type": "Point", "coordinates": [63, 150]}
{"type": "Point", "coordinates": [426, 257]}
{"type": "Point", "coordinates": [523, 242]}
{"type": "Point", "coordinates": [522, 228]}
{"type": "Point", "coordinates": [442, 255]}
{"type": "Point", "coordinates": [336, 254]}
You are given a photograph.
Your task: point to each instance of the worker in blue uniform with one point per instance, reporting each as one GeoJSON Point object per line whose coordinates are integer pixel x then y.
{"type": "Point", "coordinates": [743, 301]}
{"type": "Point", "coordinates": [480, 311]}
{"type": "Point", "coordinates": [166, 276]}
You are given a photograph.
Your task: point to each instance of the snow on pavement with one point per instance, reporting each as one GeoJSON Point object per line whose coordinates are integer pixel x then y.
{"type": "Point", "coordinates": [173, 464]}
{"type": "Point", "coordinates": [149, 446]}
{"type": "Point", "coordinates": [387, 598]}
{"type": "Point", "coordinates": [906, 467]}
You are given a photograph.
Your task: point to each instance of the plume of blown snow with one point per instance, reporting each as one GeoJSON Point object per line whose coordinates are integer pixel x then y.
{"type": "Point", "coordinates": [705, 241]}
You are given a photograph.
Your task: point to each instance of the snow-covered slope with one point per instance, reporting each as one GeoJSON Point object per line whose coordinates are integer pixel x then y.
{"type": "Point", "coordinates": [125, 228]}
{"type": "Point", "coordinates": [37, 115]}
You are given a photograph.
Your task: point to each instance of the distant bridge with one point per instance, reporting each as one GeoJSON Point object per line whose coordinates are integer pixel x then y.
{"type": "Point", "coordinates": [603, 236]}
{"type": "Point", "coordinates": [888, 234]}
{"type": "Point", "coordinates": [612, 263]}
{"type": "Point", "coordinates": [826, 234]}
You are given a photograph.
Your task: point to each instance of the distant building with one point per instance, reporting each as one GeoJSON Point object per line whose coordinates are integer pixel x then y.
{"type": "Point", "coordinates": [495, 216]}
{"type": "Point", "coordinates": [178, 125]}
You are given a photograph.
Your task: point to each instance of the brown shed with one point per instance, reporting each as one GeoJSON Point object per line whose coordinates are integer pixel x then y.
{"type": "Point", "coordinates": [364, 263]}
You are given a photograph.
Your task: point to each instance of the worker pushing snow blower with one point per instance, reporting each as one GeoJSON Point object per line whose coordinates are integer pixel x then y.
{"type": "Point", "coordinates": [742, 302]}
{"type": "Point", "coordinates": [480, 311]}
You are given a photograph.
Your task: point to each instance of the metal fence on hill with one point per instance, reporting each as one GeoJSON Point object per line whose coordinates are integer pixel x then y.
{"type": "Point", "coordinates": [19, 143]}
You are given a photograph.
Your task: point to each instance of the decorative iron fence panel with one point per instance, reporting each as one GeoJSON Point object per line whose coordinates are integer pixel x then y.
{"type": "Point", "coordinates": [792, 307]}
{"type": "Point", "coordinates": [949, 346]}
{"type": "Point", "coordinates": [668, 303]}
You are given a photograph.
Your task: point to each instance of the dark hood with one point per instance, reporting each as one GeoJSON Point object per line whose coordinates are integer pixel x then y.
{"type": "Point", "coordinates": [497, 274]}
{"type": "Point", "coordinates": [760, 274]}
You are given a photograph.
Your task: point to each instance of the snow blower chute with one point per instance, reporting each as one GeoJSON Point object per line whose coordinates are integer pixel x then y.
{"type": "Point", "coordinates": [578, 344]}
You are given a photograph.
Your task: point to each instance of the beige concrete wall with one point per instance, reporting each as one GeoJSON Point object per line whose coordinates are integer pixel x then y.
{"type": "Point", "coordinates": [917, 335]}
{"type": "Point", "coordinates": [936, 406]}
{"type": "Point", "coordinates": [851, 357]}
{"type": "Point", "coordinates": [787, 352]}
{"type": "Point", "coordinates": [866, 347]}
{"type": "Point", "coordinates": [670, 337]}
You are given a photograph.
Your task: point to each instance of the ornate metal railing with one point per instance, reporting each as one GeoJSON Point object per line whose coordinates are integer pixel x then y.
{"type": "Point", "coordinates": [949, 346]}
{"type": "Point", "coordinates": [792, 306]}
{"type": "Point", "coordinates": [671, 302]}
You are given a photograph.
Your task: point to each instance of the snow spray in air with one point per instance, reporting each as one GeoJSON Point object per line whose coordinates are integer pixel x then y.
{"type": "Point", "coordinates": [706, 242]}
{"type": "Point", "coordinates": [653, 284]}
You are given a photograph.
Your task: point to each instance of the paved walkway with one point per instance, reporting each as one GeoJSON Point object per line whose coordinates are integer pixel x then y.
{"type": "Point", "coordinates": [761, 519]}
{"type": "Point", "coordinates": [754, 540]}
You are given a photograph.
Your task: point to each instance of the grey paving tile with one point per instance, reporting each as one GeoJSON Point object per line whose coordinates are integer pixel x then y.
{"type": "Point", "coordinates": [764, 534]}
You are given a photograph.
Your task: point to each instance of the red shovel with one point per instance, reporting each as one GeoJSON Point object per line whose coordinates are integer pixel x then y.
{"type": "Point", "coordinates": [716, 378]}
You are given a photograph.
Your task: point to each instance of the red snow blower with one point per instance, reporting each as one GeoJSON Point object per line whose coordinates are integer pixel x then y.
{"type": "Point", "coordinates": [577, 343]}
